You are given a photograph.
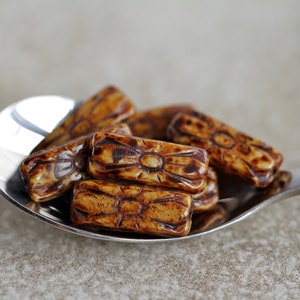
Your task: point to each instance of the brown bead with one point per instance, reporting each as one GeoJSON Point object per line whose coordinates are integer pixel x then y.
{"type": "Point", "coordinates": [229, 150]}
{"type": "Point", "coordinates": [209, 197]}
{"type": "Point", "coordinates": [152, 124]}
{"type": "Point", "coordinates": [106, 108]}
{"type": "Point", "coordinates": [128, 207]}
{"type": "Point", "coordinates": [51, 172]}
{"type": "Point", "coordinates": [147, 161]}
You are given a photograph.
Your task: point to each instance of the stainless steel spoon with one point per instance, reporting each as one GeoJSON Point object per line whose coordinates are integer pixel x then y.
{"type": "Point", "coordinates": [25, 123]}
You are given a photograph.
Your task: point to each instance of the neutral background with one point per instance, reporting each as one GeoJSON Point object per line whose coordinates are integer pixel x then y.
{"type": "Point", "coordinates": [236, 60]}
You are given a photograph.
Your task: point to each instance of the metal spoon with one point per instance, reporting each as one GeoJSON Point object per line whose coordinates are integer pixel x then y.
{"type": "Point", "coordinates": [25, 123]}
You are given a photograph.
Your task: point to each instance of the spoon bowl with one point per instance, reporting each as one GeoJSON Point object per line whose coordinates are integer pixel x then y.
{"type": "Point", "coordinates": [28, 121]}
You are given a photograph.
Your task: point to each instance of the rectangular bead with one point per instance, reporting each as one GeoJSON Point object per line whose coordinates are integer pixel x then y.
{"type": "Point", "coordinates": [209, 197]}
{"type": "Point", "coordinates": [229, 149]}
{"type": "Point", "coordinates": [128, 207]}
{"type": "Point", "coordinates": [106, 108]}
{"type": "Point", "coordinates": [51, 172]}
{"type": "Point", "coordinates": [147, 161]}
{"type": "Point", "coordinates": [153, 123]}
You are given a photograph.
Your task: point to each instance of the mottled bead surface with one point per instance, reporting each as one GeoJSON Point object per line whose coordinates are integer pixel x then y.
{"type": "Point", "coordinates": [147, 161]}
{"type": "Point", "coordinates": [51, 172]}
{"type": "Point", "coordinates": [229, 149]}
{"type": "Point", "coordinates": [108, 107]}
{"type": "Point", "coordinates": [129, 207]}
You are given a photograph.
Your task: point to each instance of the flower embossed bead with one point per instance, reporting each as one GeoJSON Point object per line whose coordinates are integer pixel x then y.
{"type": "Point", "coordinates": [147, 161]}
{"type": "Point", "coordinates": [125, 206]}
{"type": "Point", "coordinates": [229, 149]}
{"type": "Point", "coordinates": [106, 108]}
{"type": "Point", "coordinates": [51, 172]}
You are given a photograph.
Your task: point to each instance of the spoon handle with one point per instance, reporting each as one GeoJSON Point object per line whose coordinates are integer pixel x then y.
{"type": "Point", "coordinates": [293, 189]}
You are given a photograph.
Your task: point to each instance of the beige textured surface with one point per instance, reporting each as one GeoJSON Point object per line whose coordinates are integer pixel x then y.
{"type": "Point", "coordinates": [236, 60]}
